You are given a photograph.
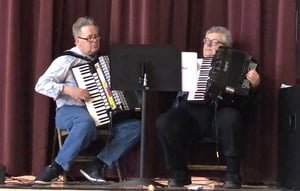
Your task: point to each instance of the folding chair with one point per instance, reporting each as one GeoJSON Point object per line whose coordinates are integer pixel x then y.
{"type": "Point", "coordinates": [103, 133]}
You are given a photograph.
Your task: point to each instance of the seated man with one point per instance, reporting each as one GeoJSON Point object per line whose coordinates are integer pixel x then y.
{"type": "Point", "coordinates": [187, 121]}
{"type": "Point", "coordinates": [72, 115]}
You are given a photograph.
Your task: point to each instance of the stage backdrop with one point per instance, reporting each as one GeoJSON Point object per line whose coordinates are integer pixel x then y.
{"type": "Point", "coordinates": [34, 33]}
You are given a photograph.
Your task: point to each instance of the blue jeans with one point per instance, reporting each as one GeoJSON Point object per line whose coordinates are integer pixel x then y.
{"type": "Point", "coordinates": [125, 135]}
{"type": "Point", "coordinates": [82, 131]}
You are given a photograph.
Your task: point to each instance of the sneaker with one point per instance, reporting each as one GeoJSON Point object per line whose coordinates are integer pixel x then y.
{"type": "Point", "coordinates": [50, 174]}
{"type": "Point", "coordinates": [94, 171]}
{"type": "Point", "coordinates": [180, 179]}
{"type": "Point", "coordinates": [232, 181]}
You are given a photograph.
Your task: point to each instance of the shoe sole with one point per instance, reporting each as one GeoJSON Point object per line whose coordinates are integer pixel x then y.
{"type": "Point", "coordinates": [87, 176]}
{"type": "Point", "coordinates": [44, 182]}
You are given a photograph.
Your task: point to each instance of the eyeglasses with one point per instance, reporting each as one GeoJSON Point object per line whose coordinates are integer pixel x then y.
{"type": "Point", "coordinates": [212, 42]}
{"type": "Point", "coordinates": [90, 38]}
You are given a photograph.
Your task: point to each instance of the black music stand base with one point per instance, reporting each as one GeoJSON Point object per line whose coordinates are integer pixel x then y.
{"type": "Point", "coordinates": [134, 183]}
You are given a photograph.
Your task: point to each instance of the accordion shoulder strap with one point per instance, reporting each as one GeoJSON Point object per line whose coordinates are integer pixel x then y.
{"type": "Point", "coordinates": [71, 53]}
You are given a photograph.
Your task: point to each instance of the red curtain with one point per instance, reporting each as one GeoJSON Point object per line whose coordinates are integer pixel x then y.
{"type": "Point", "coordinates": [35, 33]}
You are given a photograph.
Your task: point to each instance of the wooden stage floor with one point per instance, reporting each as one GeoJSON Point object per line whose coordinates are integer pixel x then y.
{"type": "Point", "coordinates": [25, 183]}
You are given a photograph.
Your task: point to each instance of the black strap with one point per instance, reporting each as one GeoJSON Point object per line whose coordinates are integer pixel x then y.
{"type": "Point", "coordinates": [70, 53]}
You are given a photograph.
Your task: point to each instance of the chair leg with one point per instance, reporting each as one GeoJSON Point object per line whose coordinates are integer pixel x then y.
{"type": "Point", "coordinates": [58, 137]}
{"type": "Point", "coordinates": [119, 171]}
{"type": "Point", "coordinates": [64, 177]}
{"type": "Point", "coordinates": [54, 145]}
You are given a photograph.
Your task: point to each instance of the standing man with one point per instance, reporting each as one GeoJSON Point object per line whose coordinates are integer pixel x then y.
{"type": "Point", "coordinates": [187, 121]}
{"type": "Point", "coordinates": [72, 115]}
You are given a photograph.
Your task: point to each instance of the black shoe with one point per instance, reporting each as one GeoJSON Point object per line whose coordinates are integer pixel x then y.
{"type": "Point", "coordinates": [50, 174]}
{"type": "Point", "coordinates": [94, 171]}
{"type": "Point", "coordinates": [232, 181]}
{"type": "Point", "coordinates": [180, 179]}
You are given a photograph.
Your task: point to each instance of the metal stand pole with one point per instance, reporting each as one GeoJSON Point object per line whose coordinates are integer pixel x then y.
{"type": "Point", "coordinates": [141, 181]}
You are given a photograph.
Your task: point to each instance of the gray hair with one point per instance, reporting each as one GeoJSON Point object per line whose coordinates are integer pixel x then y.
{"type": "Point", "coordinates": [82, 22]}
{"type": "Point", "coordinates": [226, 34]}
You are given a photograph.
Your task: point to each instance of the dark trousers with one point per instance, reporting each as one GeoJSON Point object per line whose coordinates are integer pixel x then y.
{"type": "Point", "coordinates": [180, 126]}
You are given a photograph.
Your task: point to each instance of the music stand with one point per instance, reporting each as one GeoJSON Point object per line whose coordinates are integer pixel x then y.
{"type": "Point", "coordinates": [145, 68]}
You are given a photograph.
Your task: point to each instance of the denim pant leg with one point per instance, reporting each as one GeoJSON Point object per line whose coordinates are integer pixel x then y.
{"type": "Point", "coordinates": [82, 131]}
{"type": "Point", "coordinates": [125, 135]}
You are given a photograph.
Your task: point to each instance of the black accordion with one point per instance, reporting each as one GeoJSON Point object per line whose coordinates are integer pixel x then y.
{"type": "Point", "coordinates": [103, 103]}
{"type": "Point", "coordinates": [225, 72]}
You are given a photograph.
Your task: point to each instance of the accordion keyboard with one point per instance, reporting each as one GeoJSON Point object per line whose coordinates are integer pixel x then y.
{"type": "Point", "coordinates": [202, 80]}
{"type": "Point", "coordinates": [96, 105]}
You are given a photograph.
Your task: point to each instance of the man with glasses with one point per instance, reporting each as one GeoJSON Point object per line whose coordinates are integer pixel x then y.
{"type": "Point", "coordinates": [187, 121]}
{"type": "Point", "coordinates": [72, 115]}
